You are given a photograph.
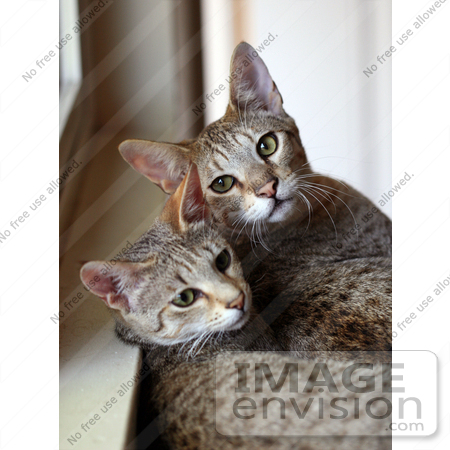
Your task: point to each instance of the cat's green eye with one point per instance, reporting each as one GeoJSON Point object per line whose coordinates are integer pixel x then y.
{"type": "Point", "coordinates": [267, 145]}
{"type": "Point", "coordinates": [222, 184]}
{"type": "Point", "coordinates": [184, 298]}
{"type": "Point", "coordinates": [223, 261]}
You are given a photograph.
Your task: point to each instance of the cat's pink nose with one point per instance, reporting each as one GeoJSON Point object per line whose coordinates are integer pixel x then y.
{"type": "Point", "coordinates": [268, 190]}
{"type": "Point", "coordinates": [238, 302]}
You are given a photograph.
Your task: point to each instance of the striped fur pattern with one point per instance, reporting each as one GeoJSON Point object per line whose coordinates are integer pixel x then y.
{"type": "Point", "coordinates": [178, 262]}
{"type": "Point", "coordinates": [229, 147]}
{"type": "Point", "coordinates": [320, 275]}
{"type": "Point", "coordinates": [318, 252]}
{"type": "Point", "coordinates": [185, 346]}
{"type": "Point", "coordinates": [179, 252]}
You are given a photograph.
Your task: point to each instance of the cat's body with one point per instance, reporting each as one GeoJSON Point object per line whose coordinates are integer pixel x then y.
{"type": "Point", "coordinates": [191, 342]}
{"type": "Point", "coordinates": [326, 284]}
{"type": "Point", "coordinates": [304, 239]}
{"type": "Point", "coordinates": [183, 395]}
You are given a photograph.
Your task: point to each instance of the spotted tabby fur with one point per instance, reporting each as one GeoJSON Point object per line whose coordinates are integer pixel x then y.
{"type": "Point", "coordinates": [306, 249]}
{"type": "Point", "coordinates": [183, 344]}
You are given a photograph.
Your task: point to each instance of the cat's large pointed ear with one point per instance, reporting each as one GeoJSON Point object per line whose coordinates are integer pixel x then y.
{"type": "Point", "coordinates": [252, 86]}
{"type": "Point", "coordinates": [187, 205]}
{"type": "Point", "coordinates": [112, 283]}
{"type": "Point", "coordinates": [163, 163]}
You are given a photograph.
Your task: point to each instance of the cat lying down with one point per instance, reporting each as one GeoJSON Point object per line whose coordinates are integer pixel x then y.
{"type": "Point", "coordinates": [321, 273]}
{"type": "Point", "coordinates": [181, 296]}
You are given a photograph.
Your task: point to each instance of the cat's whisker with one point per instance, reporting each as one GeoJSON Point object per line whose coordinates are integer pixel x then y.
{"type": "Point", "coordinates": [196, 343]}
{"type": "Point", "coordinates": [255, 235]}
{"type": "Point", "coordinates": [240, 218]}
{"type": "Point", "coordinates": [316, 174]}
{"type": "Point", "coordinates": [345, 204]}
{"type": "Point", "coordinates": [303, 177]}
{"type": "Point", "coordinates": [261, 237]}
{"type": "Point", "coordinates": [322, 193]}
{"type": "Point", "coordinates": [327, 187]}
{"type": "Point", "coordinates": [218, 337]}
{"type": "Point", "coordinates": [208, 335]}
{"type": "Point", "coordinates": [258, 233]}
{"type": "Point", "coordinates": [252, 239]}
{"type": "Point", "coordinates": [184, 345]}
{"type": "Point", "coordinates": [308, 205]}
{"type": "Point", "coordinates": [244, 227]}
{"type": "Point", "coordinates": [326, 210]}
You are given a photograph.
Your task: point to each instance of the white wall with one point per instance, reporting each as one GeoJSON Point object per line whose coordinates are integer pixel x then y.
{"type": "Point", "coordinates": [317, 60]}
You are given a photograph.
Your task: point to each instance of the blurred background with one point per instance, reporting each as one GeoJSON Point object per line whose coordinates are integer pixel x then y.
{"type": "Point", "coordinates": [142, 69]}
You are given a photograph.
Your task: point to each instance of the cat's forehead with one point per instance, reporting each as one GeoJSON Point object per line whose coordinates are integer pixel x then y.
{"type": "Point", "coordinates": [221, 145]}
{"type": "Point", "coordinates": [225, 132]}
{"type": "Point", "coordinates": [184, 256]}
{"type": "Point", "coordinates": [165, 244]}
{"type": "Point", "coordinates": [226, 141]}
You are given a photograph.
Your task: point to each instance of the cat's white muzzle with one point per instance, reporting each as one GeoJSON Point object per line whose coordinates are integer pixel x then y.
{"type": "Point", "coordinates": [238, 317]}
{"type": "Point", "coordinates": [276, 209]}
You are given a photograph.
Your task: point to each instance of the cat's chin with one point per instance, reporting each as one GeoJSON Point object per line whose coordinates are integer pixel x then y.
{"type": "Point", "coordinates": [282, 210]}
{"type": "Point", "coordinates": [240, 322]}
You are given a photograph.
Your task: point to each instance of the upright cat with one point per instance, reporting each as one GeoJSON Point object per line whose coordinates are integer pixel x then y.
{"type": "Point", "coordinates": [255, 174]}
{"type": "Point", "coordinates": [181, 296]}
{"type": "Point", "coordinates": [316, 251]}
